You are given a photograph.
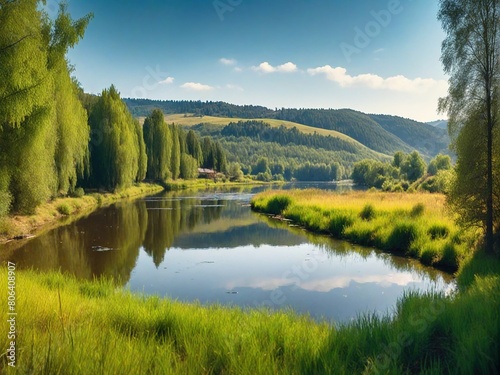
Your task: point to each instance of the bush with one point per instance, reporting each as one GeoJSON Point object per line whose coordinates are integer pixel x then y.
{"type": "Point", "coordinates": [338, 223]}
{"type": "Point", "coordinates": [78, 193]}
{"type": "Point", "coordinates": [417, 210]}
{"type": "Point", "coordinates": [401, 237]}
{"type": "Point", "coordinates": [367, 213]}
{"type": "Point", "coordinates": [276, 205]}
{"type": "Point", "coordinates": [437, 231]}
{"type": "Point", "coordinates": [64, 209]}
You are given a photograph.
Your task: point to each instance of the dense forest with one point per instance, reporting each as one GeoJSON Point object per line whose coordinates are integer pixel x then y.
{"type": "Point", "coordinates": [381, 133]}
{"type": "Point", "coordinates": [290, 154]}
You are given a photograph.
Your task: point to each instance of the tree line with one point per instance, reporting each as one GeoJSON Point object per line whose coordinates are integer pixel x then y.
{"type": "Point", "coordinates": [55, 139]}
{"type": "Point", "coordinates": [406, 172]}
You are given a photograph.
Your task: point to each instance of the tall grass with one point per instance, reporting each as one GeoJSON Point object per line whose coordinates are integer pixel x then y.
{"type": "Point", "coordinates": [65, 326]}
{"type": "Point", "coordinates": [415, 225]}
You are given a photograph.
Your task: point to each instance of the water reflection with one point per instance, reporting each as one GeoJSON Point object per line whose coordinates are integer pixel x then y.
{"type": "Point", "coordinates": [210, 247]}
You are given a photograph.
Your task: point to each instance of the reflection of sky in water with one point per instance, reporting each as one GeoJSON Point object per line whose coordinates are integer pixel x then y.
{"type": "Point", "coordinates": [210, 247]}
{"type": "Point", "coordinates": [304, 277]}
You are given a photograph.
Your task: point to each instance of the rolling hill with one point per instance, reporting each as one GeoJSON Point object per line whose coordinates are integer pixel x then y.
{"type": "Point", "coordinates": [383, 134]}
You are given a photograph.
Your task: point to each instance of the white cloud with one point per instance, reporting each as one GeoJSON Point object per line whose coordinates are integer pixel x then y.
{"type": "Point", "coordinates": [227, 62]}
{"type": "Point", "coordinates": [234, 87]}
{"type": "Point", "coordinates": [265, 67]}
{"type": "Point", "coordinates": [379, 50]}
{"type": "Point", "coordinates": [396, 83]}
{"type": "Point", "coordinates": [196, 86]}
{"type": "Point", "coordinates": [238, 69]}
{"type": "Point", "coordinates": [167, 81]}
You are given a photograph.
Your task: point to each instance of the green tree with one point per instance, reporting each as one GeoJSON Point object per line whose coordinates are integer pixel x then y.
{"type": "Point", "coordinates": [175, 160]}
{"type": "Point", "coordinates": [398, 159]}
{"type": "Point", "coordinates": [158, 142]}
{"type": "Point", "coordinates": [141, 147]}
{"type": "Point", "coordinates": [221, 158]}
{"type": "Point", "coordinates": [234, 172]}
{"type": "Point", "coordinates": [27, 134]}
{"type": "Point", "coordinates": [439, 163]}
{"type": "Point", "coordinates": [193, 146]}
{"type": "Point", "coordinates": [188, 167]}
{"type": "Point", "coordinates": [413, 166]}
{"type": "Point", "coordinates": [470, 55]}
{"type": "Point", "coordinates": [115, 150]}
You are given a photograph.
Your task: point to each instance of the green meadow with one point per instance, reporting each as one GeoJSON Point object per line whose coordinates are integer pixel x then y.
{"type": "Point", "coordinates": [415, 225]}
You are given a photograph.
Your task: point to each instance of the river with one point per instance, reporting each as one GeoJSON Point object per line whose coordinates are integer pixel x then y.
{"type": "Point", "coordinates": [210, 247]}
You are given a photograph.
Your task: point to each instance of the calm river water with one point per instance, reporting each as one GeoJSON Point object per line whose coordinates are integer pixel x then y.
{"type": "Point", "coordinates": [210, 247]}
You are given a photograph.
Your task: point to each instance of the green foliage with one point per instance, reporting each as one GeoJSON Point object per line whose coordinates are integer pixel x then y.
{"type": "Point", "coordinates": [368, 212]}
{"type": "Point", "coordinates": [471, 55]}
{"type": "Point", "coordinates": [158, 143]}
{"type": "Point", "coordinates": [338, 223]}
{"type": "Point", "coordinates": [234, 172]}
{"type": "Point", "coordinates": [188, 167]}
{"type": "Point", "coordinates": [277, 204]}
{"type": "Point", "coordinates": [438, 231]}
{"type": "Point", "coordinates": [115, 151]}
{"type": "Point", "coordinates": [78, 192]}
{"type": "Point", "coordinates": [439, 163]}
{"type": "Point", "coordinates": [64, 209]}
{"type": "Point", "coordinates": [413, 167]}
{"type": "Point", "coordinates": [417, 210]}
{"type": "Point", "coordinates": [401, 237]}
{"type": "Point", "coordinates": [175, 158]}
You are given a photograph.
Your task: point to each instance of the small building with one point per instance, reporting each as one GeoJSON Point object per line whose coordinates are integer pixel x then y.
{"type": "Point", "coordinates": [206, 173]}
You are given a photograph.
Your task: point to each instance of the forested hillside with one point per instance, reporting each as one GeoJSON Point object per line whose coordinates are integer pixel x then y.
{"type": "Point", "coordinates": [381, 133]}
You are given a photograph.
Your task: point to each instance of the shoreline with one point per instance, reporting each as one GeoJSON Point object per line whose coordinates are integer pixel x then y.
{"type": "Point", "coordinates": [409, 225]}
{"type": "Point", "coordinates": [62, 211]}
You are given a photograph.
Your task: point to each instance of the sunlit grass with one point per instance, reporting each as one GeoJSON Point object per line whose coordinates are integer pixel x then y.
{"type": "Point", "coordinates": [416, 225]}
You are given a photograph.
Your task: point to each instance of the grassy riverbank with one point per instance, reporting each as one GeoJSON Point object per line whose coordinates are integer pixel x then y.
{"type": "Point", "coordinates": [207, 184]}
{"type": "Point", "coordinates": [414, 225]}
{"type": "Point", "coordinates": [51, 212]}
{"type": "Point", "coordinates": [65, 326]}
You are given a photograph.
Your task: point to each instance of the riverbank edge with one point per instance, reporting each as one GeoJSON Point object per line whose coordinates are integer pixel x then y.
{"type": "Point", "coordinates": [402, 241]}
{"type": "Point", "coordinates": [62, 211]}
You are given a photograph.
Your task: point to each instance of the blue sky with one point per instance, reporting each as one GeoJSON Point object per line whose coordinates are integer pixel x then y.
{"type": "Point", "coordinates": [376, 56]}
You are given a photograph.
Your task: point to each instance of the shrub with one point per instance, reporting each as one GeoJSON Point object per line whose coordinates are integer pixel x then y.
{"type": "Point", "coordinates": [451, 258]}
{"type": "Point", "coordinates": [64, 209]}
{"type": "Point", "coordinates": [417, 210]}
{"type": "Point", "coordinates": [437, 231]}
{"type": "Point", "coordinates": [338, 223]}
{"type": "Point", "coordinates": [277, 204]}
{"type": "Point", "coordinates": [78, 193]}
{"type": "Point", "coordinates": [401, 237]}
{"type": "Point", "coordinates": [367, 213]}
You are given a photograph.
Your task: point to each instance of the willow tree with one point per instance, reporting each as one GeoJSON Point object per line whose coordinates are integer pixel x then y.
{"type": "Point", "coordinates": [471, 56]}
{"type": "Point", "coordinates": [27, 139]}
{"type": "Point", "coordinates": [73, 132]}
{"type": "Point", "coordinates": [175, 162]}
{"type": "Point", "coordinates": [158, 140]}
{"type": "Point", "coordinates": [115, 151]}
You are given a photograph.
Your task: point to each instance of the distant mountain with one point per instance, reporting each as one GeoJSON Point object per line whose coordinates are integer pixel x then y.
{"type": "Point", "coordinates": [381, 133]}
{"type": "Point", "coordinates": [441, 124]}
